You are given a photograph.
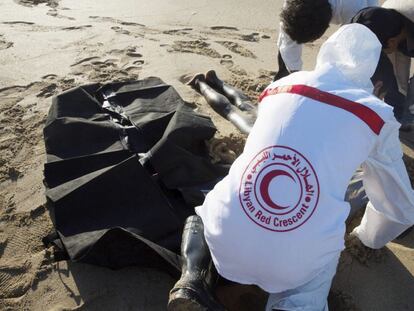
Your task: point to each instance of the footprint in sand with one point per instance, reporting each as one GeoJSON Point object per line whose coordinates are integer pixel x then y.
{"type": "Point", "coordinates": [124, 55]}
{"type": "Point", "coordinates": [53, 4]}
{"type": "Point", "coordinates": [115, 69]}
{"type": "Point", "coordinates": [23, 127]}
{"type": "Point", "coordinates": [4, 44]}
{"type": "Point", "coordinates": [253, 37]}
{"type": "Point", "coordinates": [229, 64]}
{"type": "Point", "coordinates": [226, 60]}
{"type": "Point", "coordinates": [105, 63]}
{"type": "Point", "coordinates": [48, 91]}
{"type": "Point", "coordinates": [14, 280]}
{"type": "Point", "coordinates": [54, 13]}
{"type": "Point", "coordinates": [24, 250]}
{"type": "Point", "coordinates": [224, 28]}
{"type": "Point", "coordinates": [137, 64]}
{"type": "Point", "coordinates": [120, 30]}
{"type": "Point", "coordinates": [50, 3]}
{"type": "Point", "coordinates": [30, 26]}
{"type": "Point", "coordinates": [12, 124]}
{"type": "Point", "coordinates": [123, 31]}
{"type": "Point", "coordinates": [84, 60]}
{"type": "Point", "coordinates": [104, 19]}
{"type": "Point", "coordinates": [251, 86]}
{"type": "Point", "coordinates": [237, 48]}
{"type": "Point", "coordinates": [132, 70]}
{"type": "Point", "coordinates": [116, 21]}
{"type": "Point", "coordinates": [53, 85]}
{"type": "Point", "coordinates": [182, 31]}
{"type": "Point", "coordinates": [196, 47]}
{"type": "Point", "coordinates": [25, 232]}
{"type": "Point", "coordinates": [11, 90]}
{"type": "Point", "coordinates": [76, 27]}
{"type": "Point", "coordinates": [130, 23]}
{"type": "Point", "coordinates": [238, 71]}
{"type": "Point", "coordinates": [133, 54]}
{"type": "Point", "coordinates": [18, 23]}
{"type": "Point", "coordinates": [266, 74]}
{"type": "Point", "coordinates": [3, 244]}
{"type": "Point", "coordinates": [18, 276]}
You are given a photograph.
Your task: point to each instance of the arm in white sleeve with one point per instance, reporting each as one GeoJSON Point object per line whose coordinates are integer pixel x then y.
{"type": "Point", "coordinates": [391, 208]}
{"type": "Point", "coordinates": [372, 3]}
{"type": "Point", "coordinates": [344, 10]}
{"type": "Point", "coordinates": [290, 51]}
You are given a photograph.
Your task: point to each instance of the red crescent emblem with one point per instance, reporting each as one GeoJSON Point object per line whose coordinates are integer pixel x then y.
{"type": "Point", "coordinates": [264, 188]}
{"type": "Point", "coordinates": [275, 203]}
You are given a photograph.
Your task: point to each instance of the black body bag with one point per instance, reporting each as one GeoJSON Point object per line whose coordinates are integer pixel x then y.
{"type": "Point", "coordinates": [126, 164]}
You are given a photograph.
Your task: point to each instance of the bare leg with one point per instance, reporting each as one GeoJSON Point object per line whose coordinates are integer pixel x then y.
{"type": "Point", "coordinates": [222, 105]}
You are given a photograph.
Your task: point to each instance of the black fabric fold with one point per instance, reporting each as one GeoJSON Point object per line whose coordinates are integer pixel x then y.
{"type": "Point", "coordinates": [126, 163]}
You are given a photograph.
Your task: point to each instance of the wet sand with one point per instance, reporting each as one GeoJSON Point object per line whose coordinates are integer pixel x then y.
{"type": "Point", "coordinates": [47, 46]}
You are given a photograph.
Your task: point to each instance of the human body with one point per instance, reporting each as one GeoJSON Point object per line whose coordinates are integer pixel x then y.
{"type": "Point", "coordinates": [402, 57]}
{"type": "Point", "coordinates": [278, 219]}
{"type": "Point", "coordinates": [394, 31]}
{"type": "Point", "coordinates": [313, 16]}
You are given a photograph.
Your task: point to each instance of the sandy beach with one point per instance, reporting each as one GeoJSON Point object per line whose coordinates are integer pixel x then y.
{"type": "Point", "coordinates": [48, 46]}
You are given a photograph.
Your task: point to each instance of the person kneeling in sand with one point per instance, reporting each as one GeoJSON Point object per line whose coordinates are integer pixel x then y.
{"type": "Point", "coordinates": [277, 219]}
{"type": "Point", "coordinates": [305, 21]}
{"type": "Point", "coordinates": [395, 31]}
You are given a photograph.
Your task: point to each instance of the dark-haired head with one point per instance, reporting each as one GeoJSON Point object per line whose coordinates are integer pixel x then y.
{"type": "Point", "coordinates": [387, 24]}
{"type": "Point", "coordinates": [306, 20]}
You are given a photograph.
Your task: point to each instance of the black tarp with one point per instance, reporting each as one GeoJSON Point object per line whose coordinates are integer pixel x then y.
{"type": "Point", "coordinates": [126, 164]}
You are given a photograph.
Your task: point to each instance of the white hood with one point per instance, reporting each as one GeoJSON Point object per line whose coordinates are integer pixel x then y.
{"type": "Point", "coordinates": [405, 7]}
{"type": "Point", "coordinates": [355, 51]}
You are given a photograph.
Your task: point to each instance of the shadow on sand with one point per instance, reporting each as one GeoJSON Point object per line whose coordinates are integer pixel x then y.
{"type": "Point", "coordinates": [131, 288]}
{"type": "Point", "coordinates": [380, 286]}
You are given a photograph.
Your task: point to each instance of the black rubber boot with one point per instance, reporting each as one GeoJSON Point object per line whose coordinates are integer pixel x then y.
{"type": "Point", "coordinates": [222, 105]}
{"type": "Point", "coordinates": [217, 101]}
{"type": "Point", "coordinates": [235, 96]}
{"type": "Point", "coordinates": [194, 291]}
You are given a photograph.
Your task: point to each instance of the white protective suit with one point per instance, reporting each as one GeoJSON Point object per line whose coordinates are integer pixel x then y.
{"type": "Point", "coordinates": [278, 219]}
{"type": "Point", "coordinates": [342, 12]}
{"type": "Point", "coordinates": [401, 62]}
